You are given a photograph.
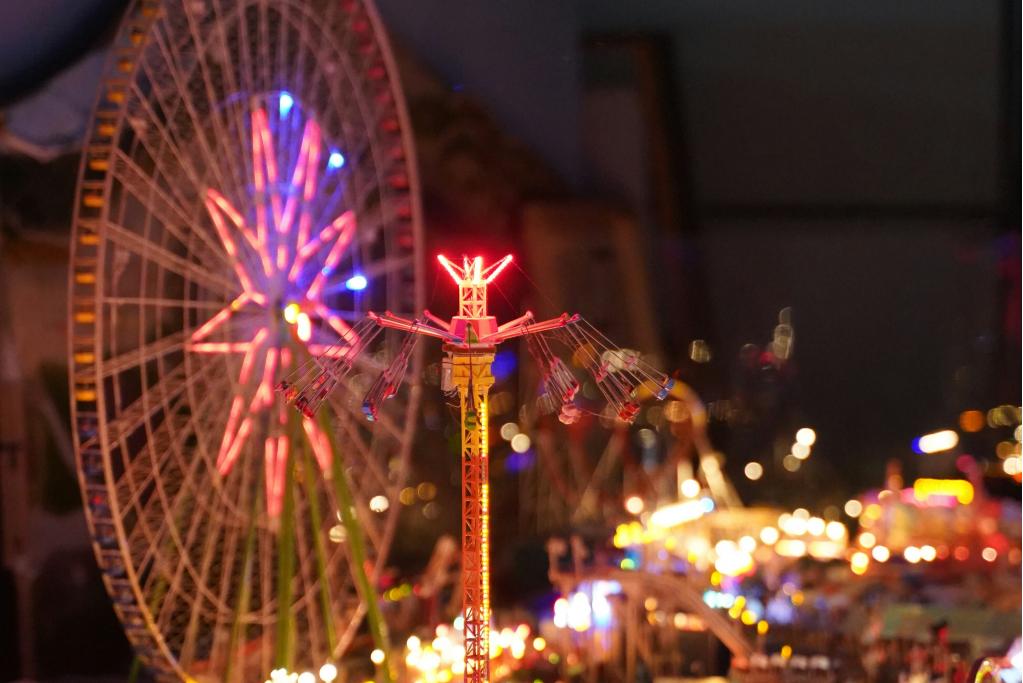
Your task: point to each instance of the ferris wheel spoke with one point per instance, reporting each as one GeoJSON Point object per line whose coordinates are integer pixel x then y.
{"type": "Point", "coordinates": [167, 443]}
{"type": "Point", "coordinates": [322, 585]}
{"type": "Point", "coordinates": [183, 99]}
{"type": "Point", "coordinates": [165, 459]}
{"type": "Point", "coordinates": [308, 580]}
{"type": "Point", "coordinates": [265, 544]}
{"type": "Point", "coordinates": [189, 270]}
{"type": "Point", "coordinates": [244, 63]}
{"type": "Point", "coordinates": [173, 505]}
{"type": "Point", "coordinates": [149, 537]}
{"type": "Point", "coordinates": [166, 396]}
{"type": "Point", "coordinates": [324, 49]}
{"type": "Point", "coordinates": [234, 85]}
{"type": "Point", "coordinates": [201, 49]}
{"type": "Point", "coordinates": [145, 122]}
{"type": "Point", "coordinates": [157, 302]}
{"type": "Point", "coordinates": [164, 346]}
{"type": "Point", "coordinates": [133, 489]}
{"type": "Point", "coordinates": [221, 619]}
{"type": "Point", "coordinates": [359, 455]}
{"type": "Point", "coordinates": [246, 494]}
{"type": "Point", "coordinates": [166, 437]}
{"type": "Point", "coordinates": [211, 542]}
{"type": "Point", "coordinates": [166, 208]}
{"type": "Point", "coordinates": [263, 45]}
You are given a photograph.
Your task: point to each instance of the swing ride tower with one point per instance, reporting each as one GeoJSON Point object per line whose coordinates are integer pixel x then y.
{"type": "Point", "coordinates": [469, 365]}
{"type": "Point", "coordinates": [470, 342]}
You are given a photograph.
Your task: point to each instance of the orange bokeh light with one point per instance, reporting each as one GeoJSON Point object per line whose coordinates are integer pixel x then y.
{"type": "Point", "coordinates": [971, 420]}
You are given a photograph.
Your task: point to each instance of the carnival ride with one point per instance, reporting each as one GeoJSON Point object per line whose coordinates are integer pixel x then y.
{"type": "Point", "coordinates": [470, 340]}
{"type": "Point", "coordinates": [678, 534]}
{"type": "Point", "coordinates": [247, 191]}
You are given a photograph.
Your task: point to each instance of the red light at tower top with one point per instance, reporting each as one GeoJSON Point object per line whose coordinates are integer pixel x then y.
{"type": "Point", "coordinates": [472, 270]}
{"type": "Point", "coordinates": [470, 340]}
{"type": "Point", "coordinates": [472, 280]}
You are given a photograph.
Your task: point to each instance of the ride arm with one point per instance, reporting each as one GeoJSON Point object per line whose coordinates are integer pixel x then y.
{"type": "Point", "coordinates": [388, 319]}
{"type": "Point", "coordinates": [440, 322]}
{"type": "Point", "coordinates": [521, 326]}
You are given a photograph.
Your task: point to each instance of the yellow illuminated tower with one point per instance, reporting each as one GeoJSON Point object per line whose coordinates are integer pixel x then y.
{"type": "Point", "coordinates": [470, 341]}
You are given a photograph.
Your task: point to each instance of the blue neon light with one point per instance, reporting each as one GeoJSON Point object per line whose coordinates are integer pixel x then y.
{"type": "Point", "coordinates": [602, 613]}
{"type": "Point", "coordinates": [356, 283]}
{"type": "Point", "coordinates": [285, 103]}
{"type": "Point", "coordinates": [517, 462]}
{"type": "Point", "coordinates": [504, 365]}
{"type": "Point", "coordinates": [335, 160]}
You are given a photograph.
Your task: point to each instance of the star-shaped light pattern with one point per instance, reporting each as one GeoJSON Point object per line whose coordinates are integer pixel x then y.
{"type": "Point", "coordinates": [282, 260]}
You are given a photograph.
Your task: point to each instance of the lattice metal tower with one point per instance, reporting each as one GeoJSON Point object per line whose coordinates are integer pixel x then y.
{"type": "Point", "coordinates": [470, 341]}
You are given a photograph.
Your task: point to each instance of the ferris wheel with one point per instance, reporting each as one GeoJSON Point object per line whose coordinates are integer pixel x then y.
{"type": "Point", "coordinates": [247, 191]}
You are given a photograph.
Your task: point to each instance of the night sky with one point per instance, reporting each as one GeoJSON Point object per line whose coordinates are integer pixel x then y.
{"type": "Point", "coordinates": [847, 162]}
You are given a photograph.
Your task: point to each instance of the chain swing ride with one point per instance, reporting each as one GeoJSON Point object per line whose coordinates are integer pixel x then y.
{"type": "Point", "coordinates": [469, 341]}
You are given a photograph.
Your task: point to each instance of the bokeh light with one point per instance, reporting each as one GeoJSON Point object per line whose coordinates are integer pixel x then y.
{"type": "Point", "coordinates": [753, 471]}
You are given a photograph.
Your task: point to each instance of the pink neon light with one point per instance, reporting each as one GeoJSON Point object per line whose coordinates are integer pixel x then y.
{"type": "Point", "coordinates": [346, 224]}
{"type": "Point", "coordinates": [496, 270]}
{"type": "Point", "coordinates": [259, 173]}
{"type": "Point", "coordinates": [339, 325]}
{"type": "Point", "coordinates": [275, 455]}
{"type": "Point", "coordinates": [263, 140]}
{"type": "Point", "coordinates": [312, 246]}
{"type": "Point", "coordinates": [234, 216]}
{"type": "Point", "coordinates": [448, 266]}
{"type": "Point", "coordinates": [207, 327]}
{"type": "Point", "coordinates": [229, 245]}
{"type": "Point", "coordinates": [304, 225]}
{"type": "Point", "coordinates": [309, 191]}
{"type": "Point", "coordinates": [264, 172]}
{"type": "Point", "coordinates": [328, 351]}
{"type": "Point", "coordinates": [264, 394]}
{"type": "Point", "coordinates": [231, 437]}
{"type": "Point", "coordinates": [219, 347]}
{"type": "Point", "coordinates": [314, 160]}
{"type": "Point", "coordinates": [321, 448]}
{"type": "Point", "coordinates": [309, 248]}
{"type": "Point", "coordinates": [236, 446]}
{"type": "Point", "coordinates": [282, 446]}
{"type": "Point", "coordinates": [232, 213]}
{"type": "Point", "coordinates": [250, 355]}
{"type": "Point", "coordinates": [304, 169]}
{"type": "Point", "coordinates": [274, 246]}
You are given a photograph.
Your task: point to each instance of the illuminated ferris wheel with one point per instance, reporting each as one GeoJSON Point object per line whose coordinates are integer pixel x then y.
{"type": "Point", "coordinates": [247, 191]}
